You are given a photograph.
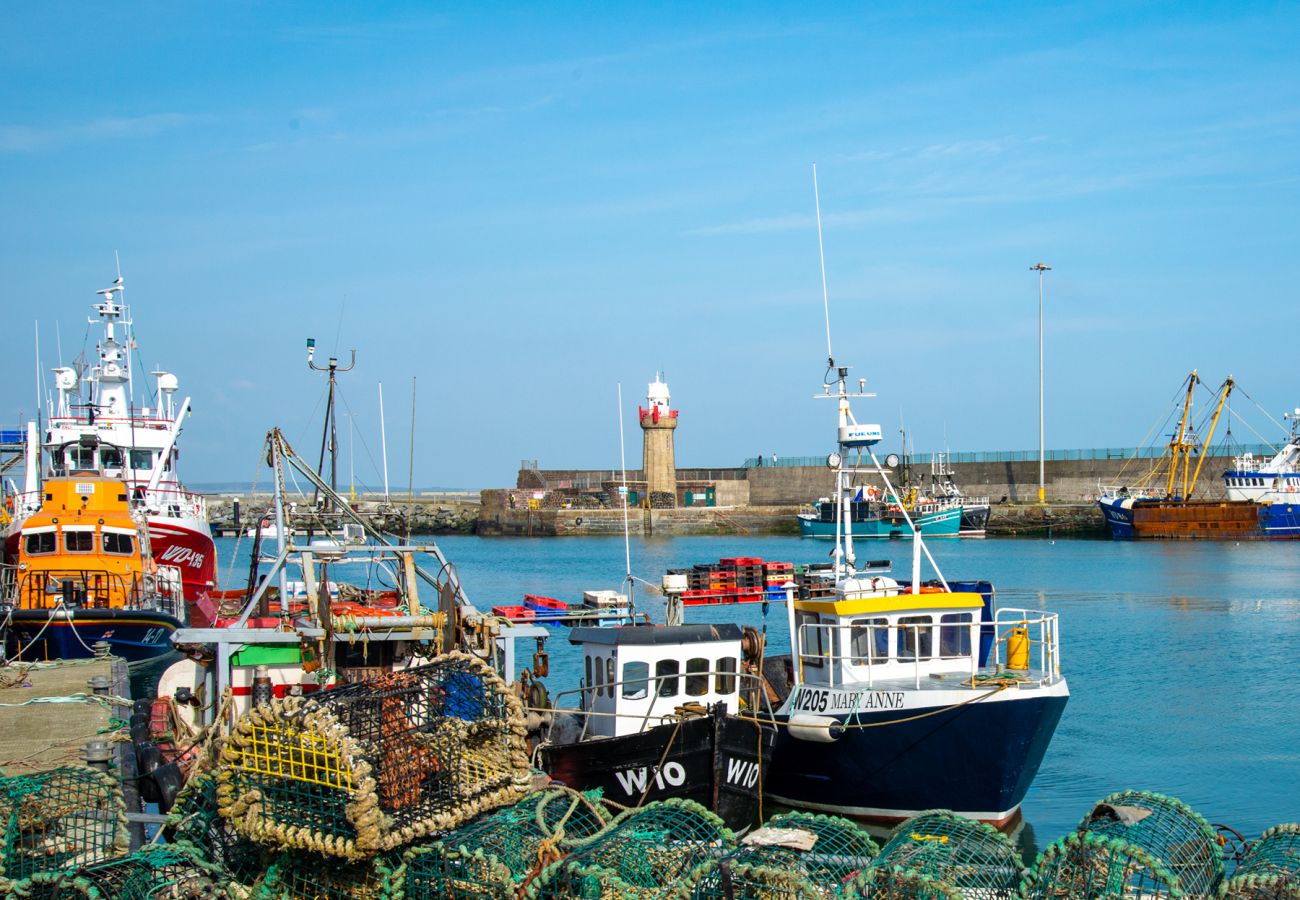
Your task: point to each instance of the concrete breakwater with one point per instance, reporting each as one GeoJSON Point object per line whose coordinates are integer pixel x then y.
{"type": "Point", "coordinates": [436, 514]}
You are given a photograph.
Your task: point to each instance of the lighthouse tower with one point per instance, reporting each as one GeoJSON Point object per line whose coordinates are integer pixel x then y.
{"type": "Point", "coordinates": [658, 421]}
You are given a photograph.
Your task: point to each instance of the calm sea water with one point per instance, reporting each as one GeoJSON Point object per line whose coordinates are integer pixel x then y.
{"type": "Point", "coordinates": [1181, 658]}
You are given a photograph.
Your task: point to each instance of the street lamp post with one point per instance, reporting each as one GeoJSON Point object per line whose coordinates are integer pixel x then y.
{"type": "Point", "coordinates": [1040, 268]}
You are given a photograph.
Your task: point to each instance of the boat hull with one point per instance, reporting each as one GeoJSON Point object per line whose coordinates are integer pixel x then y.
{"type": "Point", "coordinates": [719, 761]}
{"type": "Point", "coordinates": [1235, 520]}
{"type": "Point", "coordinates": [977, 760]}
{"type": "Point", "coordinates": [134, 635]}
{"type": "Point", "coordinates": [186, 544]}
{"type": "Point", "coordinates": [974, 520]}
{"type": "Point", "coordinates": [943, 523]}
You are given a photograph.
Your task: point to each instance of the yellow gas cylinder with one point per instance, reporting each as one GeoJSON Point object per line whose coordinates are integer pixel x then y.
{"type": "Point", "coordinates": [1018, 648]}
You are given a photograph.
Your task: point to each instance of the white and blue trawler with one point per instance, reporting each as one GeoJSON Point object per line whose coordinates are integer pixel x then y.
{"type": "Point", "coordinates": [903, 696]}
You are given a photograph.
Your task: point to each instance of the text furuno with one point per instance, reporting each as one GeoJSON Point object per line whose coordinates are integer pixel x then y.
{"type": "Point", "coordinates": [182, 556]}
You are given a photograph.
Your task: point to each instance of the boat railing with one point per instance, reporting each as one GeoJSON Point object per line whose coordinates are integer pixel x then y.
{"type": "Point", "coordinates": [1123, 491]}
{"type": "Point", "coordinates": [748, 687]}
{"type": "Point", "coordinates": [89, 589]}
{"type": "Point", "coordinates": [1042, 630]}
{"type": "Point", "coordinates": [912, 652]}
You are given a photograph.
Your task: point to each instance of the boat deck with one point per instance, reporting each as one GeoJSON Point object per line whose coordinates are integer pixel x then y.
{"type": "Point", "coordinates": [42, 735]}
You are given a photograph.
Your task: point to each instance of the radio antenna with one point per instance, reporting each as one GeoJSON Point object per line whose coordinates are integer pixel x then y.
{"type": "Point", "coordinates": [821, 253]}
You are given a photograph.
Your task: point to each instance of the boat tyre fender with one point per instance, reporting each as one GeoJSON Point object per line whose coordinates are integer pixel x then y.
{"type": "Point", "coordinates": [578, 521]}
{"type": "Point", "coordinates": [167, 781]}
{"type": "Point", "coordinates": [147, 759]}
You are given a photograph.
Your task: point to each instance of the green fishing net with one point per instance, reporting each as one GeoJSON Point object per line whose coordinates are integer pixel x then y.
{"type": "Point", "coordinates": [770, 865]}
{"type": "Point", "coordinates": [643, 853]}
{"type": "Point", "coordinates": [1133, 844]}
{"type": "Point", "coordinates": [59, 820]}
{"type": "Point", "coordinates": [1271, 870]}
{"type": "Point", "coordinates": [195, 823]}
{"type": "Point", "coordinates": [942, 855]}
{"type": "Point", "coordinates": [156, 872]}
{"type": "Point", "coordinates": [492, 857]}
{"type": "Point", "coordinates": [296, 875]}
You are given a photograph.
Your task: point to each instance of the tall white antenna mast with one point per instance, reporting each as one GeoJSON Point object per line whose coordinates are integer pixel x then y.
{"type": "Point", "coordinates": [383, 439]}
{"type": "Point", "coordinates": [622, 461]}
{"type": "Point", "coordinates": [821, 253]}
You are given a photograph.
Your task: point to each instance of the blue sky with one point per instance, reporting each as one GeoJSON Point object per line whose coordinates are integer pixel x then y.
{"type": "Point", "coordinates": [523, 205]}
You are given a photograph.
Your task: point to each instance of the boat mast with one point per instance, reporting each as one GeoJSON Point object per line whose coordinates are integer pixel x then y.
{"type": "Point", "coordinates": [1224, 391]}
{"type": "Point", "coordinates": [329, 435]}
{"type": "Point", "coordinates": [1178, 446]}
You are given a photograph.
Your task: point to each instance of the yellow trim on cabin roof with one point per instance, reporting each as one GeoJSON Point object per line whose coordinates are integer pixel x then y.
{"type": "Point", "coordinates": [864, 605]}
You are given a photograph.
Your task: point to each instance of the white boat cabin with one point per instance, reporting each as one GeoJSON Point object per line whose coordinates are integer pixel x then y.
{"type": "Point", "coordinates": [634, 675]}
{"type": "Point", "coordinates": [873, 630]}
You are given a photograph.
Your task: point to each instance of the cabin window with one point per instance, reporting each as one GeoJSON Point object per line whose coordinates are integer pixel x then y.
{"type": "Point", "coordinates": [41, 542]}
{"type": "Point", "coordinates": [666, 675]}
{"type": "Point", "coordinates": [609, 677]}
{"type": "Point", "coordinates": [80, 457]}
{"type": "Point", "coordinates": [954, 634]}
{"type": "Point", "coordinates": [725, 681]}
{"type": "Point", "coordinates": [812, 639]}
{"type": "Point", "coordinates": [869, 640]}
{"type": "Point", "coordinates": [636, 680]}
{"type": "Point", "coordinates": [118, 543]}
{"type": "Point", "coordinates": [916, 637]}
{"type": "Point", "coordinates": [79, 541]}
{"type": "Point", "coordinates": [600, 678]}
{"type": "Point", "coordinates": [142, 459]}
{"type": "Point", "coordinates": [697, 677]}
{"type": "Point", "coordinates": [110, 457]}
{"type": "Point", "coordinates": [588, 662]}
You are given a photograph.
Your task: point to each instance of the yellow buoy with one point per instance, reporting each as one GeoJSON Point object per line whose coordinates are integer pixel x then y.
{"type": "Point", "coordinates": [1018, 648]}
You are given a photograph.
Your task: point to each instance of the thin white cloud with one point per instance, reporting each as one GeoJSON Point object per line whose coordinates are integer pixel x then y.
{"type": "Point", "coordinates": [28, 138]}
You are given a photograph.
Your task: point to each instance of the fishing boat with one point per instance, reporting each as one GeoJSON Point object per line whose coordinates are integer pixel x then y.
{"type": "Point", "coordinates": [85, 573]}
{"type": "Point", "coordinates": [95, 428]}
{"type": "Point", "coordinates": [867, 515]}
{"type": "Point", "coordinates": [1262, 499]}
{"type": "Point", "coordinates": [658, 716]}
{"type": "Point", "coordinates": [943, 486]}
{"type": "Point", "coordinates": [902, 696]}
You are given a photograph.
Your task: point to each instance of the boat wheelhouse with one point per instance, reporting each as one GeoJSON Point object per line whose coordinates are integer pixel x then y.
{"type": "Point", "coordinates": [85, 573]}
{"type": "Point", "coordinates": [658, 716]}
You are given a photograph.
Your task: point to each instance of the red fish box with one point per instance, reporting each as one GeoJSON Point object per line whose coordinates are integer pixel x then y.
{"type": "Point", "coordinates": [513, 613]}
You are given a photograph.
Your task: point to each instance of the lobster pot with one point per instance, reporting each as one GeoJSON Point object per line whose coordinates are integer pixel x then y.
{"type": "Point", "coordinates": [942, 855]}
{"type": "Point", "coordinates": [1133, 844]}
{"type": "Point", "coordinates": [155, 872]}
{"type": "Point", "coordinates": [195, 825]}
{"type": "Point", "coordinates": [308, 876]}
{"type": "Point", "coordinates": [367, 767]}
{"type": "Point", "coordinates": [1271, 870]}
{"type": "Point", "coordinates": [493, 856]}
{"type": "Point", "coordinates": [796, 856]}
{"type": "Point", "coordinates": [642, 853]}
{"type": "Point", "coordinates": [59, 820]}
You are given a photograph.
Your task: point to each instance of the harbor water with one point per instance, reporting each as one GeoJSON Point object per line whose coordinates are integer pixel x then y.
{"type": "Point", "coordinates": [1181, 657]}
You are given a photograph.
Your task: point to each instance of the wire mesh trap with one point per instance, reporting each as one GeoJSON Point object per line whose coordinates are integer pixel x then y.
{"type": "Point", "coordinates": [370, 766]}
{"type": "Point", "coordinates": [942, 855]}
{"type": "Point", "coordinates": [308, 876]}
{"type": "Point", "coordinates": [1133, 844]}
{"type": "Point", "coordinates": [817, 859]}
{"type": "Point", "coordinates": [58, 820]}
{"type": "Point", "coordinates": [155, 872]}
{"type": "Point", "coordinates": [643, 853]}
{"type": "Point", "coordinates": [1271, 870]}
{"type": "Point", "coordinates": [196, 825]}
{"type": "Point", "coordinates": [494, 856]}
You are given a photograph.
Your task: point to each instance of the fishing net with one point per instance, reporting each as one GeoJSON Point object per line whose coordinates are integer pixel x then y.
{"type": "Point", "coordinates": [1271, 870]}
{"type": "Point", "coordinates": [491, 858]}
{"type": "Point", "coordinates": [195, 824]}
{"type": "Point", "coordinates": [1133, 844]}
{"type": "Point", "coordinates": [370, 766]}
{"type": "Point", "coordinates": [795, 855]}
{"type": "Point", "coordinates": [155, 872]}
{"type": "Point", "coordinates": [59, 820]}
{"type": "Point", "coordinates": [942, 855]}
{"type": "Point", "coordinates": [644, 852]}
{"type": "Point", "coordinates": [307, 876]}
